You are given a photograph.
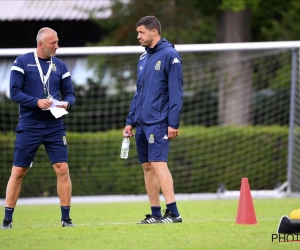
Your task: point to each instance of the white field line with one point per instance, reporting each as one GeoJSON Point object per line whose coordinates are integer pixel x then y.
{"type": "Point", "coordinates": [260, 194]}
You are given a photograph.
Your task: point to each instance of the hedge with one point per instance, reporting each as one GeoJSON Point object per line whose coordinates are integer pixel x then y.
{"type": "Point", "coordinates": [200, 159]}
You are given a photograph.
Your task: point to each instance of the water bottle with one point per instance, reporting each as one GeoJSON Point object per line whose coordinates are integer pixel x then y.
{"type": "Point", "coordinates": [125, 148]}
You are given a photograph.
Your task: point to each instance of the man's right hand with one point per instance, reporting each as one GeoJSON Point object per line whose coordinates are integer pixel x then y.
{"type": "Point", "coordinates": [44, 103]}
{"type": "Point", "coordinates": [127, 132]}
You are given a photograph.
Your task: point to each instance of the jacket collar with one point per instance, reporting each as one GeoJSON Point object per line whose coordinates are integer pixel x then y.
{"type": "Point", "coordinates": [162, 43]}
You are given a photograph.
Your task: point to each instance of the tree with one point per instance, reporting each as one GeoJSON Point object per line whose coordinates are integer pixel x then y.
{"type": "Point", "coordinates": [235, 86]}
{"type": "Point", "coordinates": [180, 19]}
{"type": "Point", "coordinates": [276, 20]}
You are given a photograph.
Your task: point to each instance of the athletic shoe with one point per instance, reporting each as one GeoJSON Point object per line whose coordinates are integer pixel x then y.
{"type": "Point", "coordinates": [169, 217]}
{"type": "Point", "coordinates": [150, 219]}
{"type": "Point", "coordinates": [6, 224]}
{"type": "Point", "coordinates": [67, 223]}
{"type": "Point", "coordinates": [285, 226]}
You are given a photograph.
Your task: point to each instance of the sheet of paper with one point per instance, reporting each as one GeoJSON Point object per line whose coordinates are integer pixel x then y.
{"type": "Point", "coordinates": [56, 102]}
{"type": "Point", "coordinates": [58, 112]}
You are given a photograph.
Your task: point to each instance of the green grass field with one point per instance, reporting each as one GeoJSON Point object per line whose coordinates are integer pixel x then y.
{"type": "Point", "coordinates": [208, 224]}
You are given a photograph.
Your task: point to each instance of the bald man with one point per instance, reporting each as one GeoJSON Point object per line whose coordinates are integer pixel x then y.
{"type": "Point", "coordinates": [36, 79]}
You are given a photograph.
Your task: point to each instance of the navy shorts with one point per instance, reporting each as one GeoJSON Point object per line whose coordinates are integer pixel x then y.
{"type": "Point", "coordinates": [31, 135]}
{"type": "Point", "coordinates": [152, 142]}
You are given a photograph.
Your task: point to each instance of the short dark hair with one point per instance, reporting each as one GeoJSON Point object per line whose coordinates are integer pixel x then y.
{"type": "Point", "coordinates": [150, 23]}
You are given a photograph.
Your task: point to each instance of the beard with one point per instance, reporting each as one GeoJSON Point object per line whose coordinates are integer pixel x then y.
{"type": "Point", "coordinates": [145, 43]}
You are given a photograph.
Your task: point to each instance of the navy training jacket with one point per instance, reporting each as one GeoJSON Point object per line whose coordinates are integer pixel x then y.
{"type": "Point", "coordinates": [159, 92]}
{"type": "Point", "coordinates": [26, 87]}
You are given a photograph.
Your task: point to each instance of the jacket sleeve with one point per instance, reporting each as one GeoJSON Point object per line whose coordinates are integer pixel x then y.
{"type": "Point", "coordinates": [131, 115]}
{"type": "Point", "coordinates": [175, 88]}
{"type": "Point", "coordinates": [66, 88]}
{"type": "Point", "coordinates": [17, 76]}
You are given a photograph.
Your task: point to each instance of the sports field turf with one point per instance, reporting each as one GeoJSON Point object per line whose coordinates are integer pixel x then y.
{"type": "Point", "coordinates": [208, 224]}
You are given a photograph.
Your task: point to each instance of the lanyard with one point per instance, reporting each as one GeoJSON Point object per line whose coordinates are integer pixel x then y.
{"type": "Point", "coordinates": [44, 78]}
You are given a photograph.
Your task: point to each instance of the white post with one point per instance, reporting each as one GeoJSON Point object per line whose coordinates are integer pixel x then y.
{"type": "Point", "coordinates": [291, 122]}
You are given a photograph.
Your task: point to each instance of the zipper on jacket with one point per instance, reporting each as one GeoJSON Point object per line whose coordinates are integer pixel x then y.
{"type": "Point", "coordinates": [143, 89]}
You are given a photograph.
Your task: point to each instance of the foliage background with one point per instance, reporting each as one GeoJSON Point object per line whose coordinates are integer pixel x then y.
{"type": "Point", "coordinates": [225, 156]}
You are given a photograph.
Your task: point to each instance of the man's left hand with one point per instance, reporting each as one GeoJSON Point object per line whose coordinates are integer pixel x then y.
{"type": "Point", "coordinates": [172, 133]}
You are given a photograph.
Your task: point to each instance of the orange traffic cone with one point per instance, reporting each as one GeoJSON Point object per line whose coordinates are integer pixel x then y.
{"type": "Point", "coordinates": [245, 214]}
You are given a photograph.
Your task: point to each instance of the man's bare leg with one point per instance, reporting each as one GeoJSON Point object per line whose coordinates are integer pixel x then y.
{"type": "Point", "coordinates": [165, 180]}
{"type": "Point", "coordinates": [13, 190]}
{"type": "Point", "coordinates": [14, 185]}
{"type": "Point", "coordinates": [64, 184]}
{"type": "Point", "coordinates": [64, 191]}
{"type": "Point", "coordinates": [152, 184]}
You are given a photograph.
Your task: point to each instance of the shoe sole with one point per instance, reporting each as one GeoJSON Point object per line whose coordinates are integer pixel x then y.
{"type": "Point", "coordinates": [4, 228]}
{"type": "Point", "coordinates": [68, 225]}
{"type": "Point", "coordinates": [167, 220]}
{"type": "Point", "coordinates": [149, 222]}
